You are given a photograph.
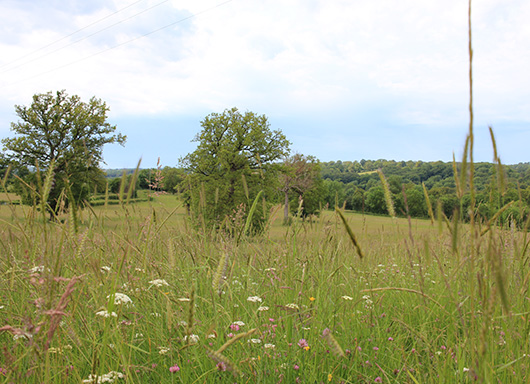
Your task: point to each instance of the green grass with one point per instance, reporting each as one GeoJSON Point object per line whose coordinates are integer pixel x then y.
{"type": "Point", "coordinates": [412, 310]}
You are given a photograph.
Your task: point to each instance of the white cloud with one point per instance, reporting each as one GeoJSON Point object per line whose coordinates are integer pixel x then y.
{"type": "Point", "coordinates": [405, 60]}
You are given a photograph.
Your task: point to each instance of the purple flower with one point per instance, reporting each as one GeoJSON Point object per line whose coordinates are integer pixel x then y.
{"type": "Point", "coordinates": [174, 368]}
{"type": "Point", "coordinates": [302, 343]}
{"type": "Point", "coordinates": [234, 327]}
{"type": "Point", "coordinates": [221, 366]}
{"type": "Point", "coordinates": [378, 379]}
{"type": "Point", "coordinates": [296, 367]}
{"type": "Point", "coordinates": [390, 339]}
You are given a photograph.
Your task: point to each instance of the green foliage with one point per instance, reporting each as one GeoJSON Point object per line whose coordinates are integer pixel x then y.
{"type": "Point", "coordinates": [234, 160]}
{"type": "Point", "coordinates": [300, 183]}
{"type": "Point", "coordinates": [375, 200]}
{"type": "Point", "coordinates": [68, 132]}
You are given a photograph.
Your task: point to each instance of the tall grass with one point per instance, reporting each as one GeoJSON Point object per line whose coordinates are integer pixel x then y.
{"type": "Point", "coordinates": [133, 293]}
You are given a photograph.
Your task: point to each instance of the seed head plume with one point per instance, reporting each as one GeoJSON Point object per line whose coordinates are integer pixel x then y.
{"type": "Point", "coordinates": [333, 344]}
{"type": "Point", "coordinates": [220, 274]}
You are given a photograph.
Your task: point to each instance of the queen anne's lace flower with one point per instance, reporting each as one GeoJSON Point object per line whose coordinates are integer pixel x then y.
{"type": "Point", "coordinates": [254, 299]}
{"type": "Point", "coordinates": [193, 339]}
{"type": "Point", "coordinates": [159, 283]}
{"type": "Point", "coordinates": [163, 350]}
{"type": "Point", "coordinates": [105, 313]}
{"type": "Point", "coordinates": [121, 298]}
{"type": "Point", "coordinates": [106, 378]}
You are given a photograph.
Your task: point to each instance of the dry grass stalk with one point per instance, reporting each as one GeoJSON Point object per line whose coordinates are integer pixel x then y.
{"type": "Point", "coordinates": [220, 274]}
{"type": "Point", "coordinates": [333, 344]}
{"type": "Point", "coordinates": [350, 233]}
{"type": "Point", "coordinates": [57, 313]}
{"type": "Point", "coordinates": [223, 360]}
{"type": "Point", "coordinates": [388, 194]}
{"type": "Point", "coordinates": [191, 314]}
{"type": "Point", "coordinates": [428, 201]}
{"type": "Point", "coordinates": [236, 338]}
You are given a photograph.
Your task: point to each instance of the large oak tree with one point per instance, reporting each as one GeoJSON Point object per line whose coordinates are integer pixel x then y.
{"type": "Point", "coordinates": [236, 157]}
{"type": "Point", "coordinates": [66, 131]}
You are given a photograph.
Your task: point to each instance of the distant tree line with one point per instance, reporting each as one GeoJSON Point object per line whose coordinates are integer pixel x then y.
{"type": "Point", "coordinates": [357, 186]}
{"type": "Point", "coordinates": [241, 167]}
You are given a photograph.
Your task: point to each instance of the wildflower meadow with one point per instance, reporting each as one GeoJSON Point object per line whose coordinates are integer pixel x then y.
{"type": "Point", "coordinates": [136, 294]}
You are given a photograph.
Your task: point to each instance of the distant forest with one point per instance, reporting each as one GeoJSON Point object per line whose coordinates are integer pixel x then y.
{"type": "Point", "coordinates": [356, 186]}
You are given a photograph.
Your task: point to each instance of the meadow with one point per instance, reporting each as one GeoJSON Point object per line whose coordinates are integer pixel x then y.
{"type": "Point", "coordinates": [134, 293]}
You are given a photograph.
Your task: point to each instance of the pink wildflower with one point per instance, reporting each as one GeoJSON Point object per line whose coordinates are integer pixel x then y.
{"type": "Point", "coordinates": [174, 368]}
{"type": "Point", "coordinates": [302, 343]}
{"type": "Point", "coordinates": [378, 379]}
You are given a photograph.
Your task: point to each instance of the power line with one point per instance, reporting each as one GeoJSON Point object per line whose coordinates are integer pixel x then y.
{"type": "Point", "coordinates": [71, 34]}
{"type": "Point", "coordinates": [83, 38]}
{"type": "Point", "coordinates": [125, 42]}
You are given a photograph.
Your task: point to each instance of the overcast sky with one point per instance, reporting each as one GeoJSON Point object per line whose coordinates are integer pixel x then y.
{"type": "Point", "coordinates": [343, 79]}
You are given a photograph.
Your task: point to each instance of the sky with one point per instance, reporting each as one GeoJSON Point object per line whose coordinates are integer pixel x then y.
{"type": "Point", "coordinates": [342, 79]}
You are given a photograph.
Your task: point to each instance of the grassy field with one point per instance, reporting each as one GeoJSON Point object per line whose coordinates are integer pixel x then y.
{"type": "Point", "coordinates": [135, 294]}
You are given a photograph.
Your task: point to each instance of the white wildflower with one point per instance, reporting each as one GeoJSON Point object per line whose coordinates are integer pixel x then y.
{"type": "Point", "coordinates": [263, 308]}
{"type": "Point", "coordinates": [347, 297]}
{"type": "Point", "coordinates": [23, 336]}
{"type": "Point", "coordinates": [465, 369]}
{"type": "Point", "coordinates": [255, 341]}
{"type": "Point", "coordinates": [139, 270]}
{"type": "Point", "coordinates": [105, 268]}
{"type": "Point", "coordinates": [155, 314]}
{"type": "Point", "coordinates": [269, 269]}
{"type": "Point", "coordinates": [163, 350]}
{"type": "Point", "coordinates": [183, 299]}
{"type": "Point", "coordinates": [106, 378]}
{"type": "Point", "coordinates": [2, 307]}
{"type": "Point", "coordinates": [159, 283]}
{"type": "Point", "coordinates": [306, 328]}
{"type": "Point", "coordinates": [37, 269]}
{"type": "Point", "coordinates": [211, 336]}
{"type": "Point", "coordinates": [120, 298]}
{"type": "Point", "coordinates": [254, 299]}
{"type": "Point", "coordinates": [105, 313]}
{"type": "Point", "coordinates": [292, 306]}
{"type": "Point", "coordinates": [183, 323]}
{"type": "Point", "coordinates": [240, 323]}
{"type": "Point", "coordinates": [269, 346]}
{"type": "Point", "coordinates": [193, 339]}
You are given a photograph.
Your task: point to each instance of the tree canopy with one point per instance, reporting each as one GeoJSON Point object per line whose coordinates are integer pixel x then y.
{"type": "Point", "coordinates": [234, 160]}
{"type": "Point", "coordinates": [67, 131]}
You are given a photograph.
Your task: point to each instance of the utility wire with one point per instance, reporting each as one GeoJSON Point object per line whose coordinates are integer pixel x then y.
{"type": "Point", "coordinates": [125, 42]}
{"type": "Point", "coordinates": [81, 39]}
{"type": "Point", "coordinates": [71, 34]}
